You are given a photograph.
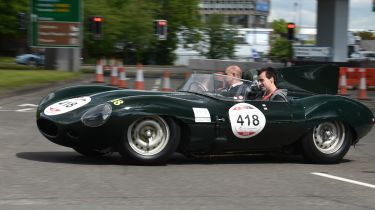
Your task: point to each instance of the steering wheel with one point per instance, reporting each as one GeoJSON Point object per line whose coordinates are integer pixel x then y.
{"type": "Point", "coordinates": [197, 87]}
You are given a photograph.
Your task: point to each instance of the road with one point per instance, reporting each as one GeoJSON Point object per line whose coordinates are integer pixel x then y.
{"type": "Point", "coordinates": [37, 174]}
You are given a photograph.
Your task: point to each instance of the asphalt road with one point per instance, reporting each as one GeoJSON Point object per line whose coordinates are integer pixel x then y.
{"type": "Point", "coordinates": [37, 174]}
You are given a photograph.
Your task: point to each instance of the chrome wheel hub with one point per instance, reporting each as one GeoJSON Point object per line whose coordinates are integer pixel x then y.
{"type": "Point", "coordinates": [329, 137]}
{"type": "Point", "coordinates": [148, 136]}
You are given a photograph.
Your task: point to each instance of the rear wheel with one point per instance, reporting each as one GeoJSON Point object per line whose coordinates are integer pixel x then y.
{"type": "Point", "coordinates": [328, 142]}
{"type": "Point", "coordinates": [150, 140]}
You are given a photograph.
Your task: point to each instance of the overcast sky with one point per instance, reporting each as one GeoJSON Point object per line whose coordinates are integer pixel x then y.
{"type": "Point", "coordinates": [303, 12]}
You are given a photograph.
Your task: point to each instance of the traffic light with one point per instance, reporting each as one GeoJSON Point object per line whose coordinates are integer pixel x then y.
{"type": "Point", "coordinates": [21, 21]}
{"type": "Point", "coordinates": [291, 27]}
{"type": "Point", "coordinates": [95, 26]}
{"type": "Point", "coordinates": [161, 29]}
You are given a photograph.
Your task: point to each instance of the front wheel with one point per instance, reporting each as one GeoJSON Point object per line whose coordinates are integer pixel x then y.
{"type": "Point", "coordinates": [328, 142]}
{"type": "Point", "coordinates": [150, 140]}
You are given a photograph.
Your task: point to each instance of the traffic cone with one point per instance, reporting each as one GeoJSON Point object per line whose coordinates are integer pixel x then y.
{"type": "Point", "coordinates": [122, 79]}
{"type": "Point", "coordinates": [139, 80]}
{"type": "Point", "coordinates": [342, 82]}
{"type": "Point", "coordinates": [362, 94]}
{"type": "Point", "coordinates": [166, 81]}
{"type": "Point", "coordinates": [114, 74]}
{"type": "Point", "coordinates": [99, 78]}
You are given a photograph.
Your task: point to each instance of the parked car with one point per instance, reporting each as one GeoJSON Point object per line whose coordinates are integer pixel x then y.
{"type": "Point", "coordinates": [30, 59]}
{"type": "Point", "coordinates": [362, 56]}
{"type": "Point", "coordinates": [146, 127]}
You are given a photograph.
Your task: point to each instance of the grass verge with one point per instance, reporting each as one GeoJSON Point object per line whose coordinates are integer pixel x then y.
{"type": "Point", "coordinates": [14, 79]}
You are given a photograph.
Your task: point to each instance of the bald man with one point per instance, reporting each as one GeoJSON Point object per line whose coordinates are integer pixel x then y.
{"type": "Point", "coordinates": [237, 89]}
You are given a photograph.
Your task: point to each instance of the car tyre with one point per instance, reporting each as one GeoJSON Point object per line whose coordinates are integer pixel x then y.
{"type": "Point", "coordinates": [90, 153]}
{"type": "Point", "coordinates": [327, 143]}
{"type": "Point", "coordinates": [150, 140]}
{"type": "Point", "coordinates": [31, 62]}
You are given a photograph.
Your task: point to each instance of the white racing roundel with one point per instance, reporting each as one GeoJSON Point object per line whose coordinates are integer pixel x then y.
{"type": "Point", "coordinates": [246, 120]}
{"type": "Point", "coordinates": [66, 106]}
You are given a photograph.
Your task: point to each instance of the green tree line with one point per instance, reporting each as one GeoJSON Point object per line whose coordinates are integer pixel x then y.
{"type": "Point", "coordinates": [128, 30]}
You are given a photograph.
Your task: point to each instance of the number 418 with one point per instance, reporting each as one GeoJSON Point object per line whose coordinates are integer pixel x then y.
{"type": "Point", "coordinates": [254, 117]}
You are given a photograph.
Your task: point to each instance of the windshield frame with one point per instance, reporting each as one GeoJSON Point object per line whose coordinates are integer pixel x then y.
{"type": "Point", "coordinates": [216, 86]}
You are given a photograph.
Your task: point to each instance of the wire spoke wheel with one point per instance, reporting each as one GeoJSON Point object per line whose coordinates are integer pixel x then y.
{"type": "Point", "coordinates": [327, 143]}
{"type": "Point", "coordinates": [328, 137]}
{"type": "Point", "coordinates": [148, 136]}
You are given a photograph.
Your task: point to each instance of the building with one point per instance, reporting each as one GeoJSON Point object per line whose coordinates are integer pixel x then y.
{"type": "Point", "coordinates": [241, 13]}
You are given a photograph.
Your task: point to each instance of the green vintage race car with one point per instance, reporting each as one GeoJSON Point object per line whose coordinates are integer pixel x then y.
{"type": "Point", "coordinates": [200, 118]}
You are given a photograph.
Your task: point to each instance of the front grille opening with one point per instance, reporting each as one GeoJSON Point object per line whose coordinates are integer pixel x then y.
{"type": "Point", "coordinates": [47, 127]}
{"type": "Point", "coordinates": [72, 134]}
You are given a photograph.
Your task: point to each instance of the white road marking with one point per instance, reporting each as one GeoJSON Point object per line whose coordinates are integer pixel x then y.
{"type": "Point", "coordinates": [156, 85]}
{"type": "Point", "coordinates": [344, 179]}
{"type": "Point", "coordinates": [32, 109]}
{"type": "Point", "coordinates": [158, 81]}
{"type": "Point", "coordinates": [32, 105]}
{"type": "Point", "coordinates": [26, 110]}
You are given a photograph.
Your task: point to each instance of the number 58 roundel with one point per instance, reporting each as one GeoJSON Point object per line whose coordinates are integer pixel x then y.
{"type": "Point", "coordinates": [246, 120]}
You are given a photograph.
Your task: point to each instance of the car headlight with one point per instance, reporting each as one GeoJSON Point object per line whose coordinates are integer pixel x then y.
{"type": "Point", "coordinates": [97, 116]}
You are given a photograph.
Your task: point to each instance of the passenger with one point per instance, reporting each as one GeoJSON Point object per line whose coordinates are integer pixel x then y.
{"type": "Point", "coordinates": [267, 79]}
{"type": "Point", "coordinates": [237, 89]}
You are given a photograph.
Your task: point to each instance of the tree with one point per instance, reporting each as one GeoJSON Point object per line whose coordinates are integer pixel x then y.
{"type": "Point", "coordinates": [129, 23]}
{"type": "Point", "coordinates": [281, 48]}
{"type": "Point", "coordinates": [181, 15]}
{"type": "Point", "coordinates": [366, 35]}
{"type": "Point", "coordinates": [8, 15]}
{"type": "Point", "coordinates": [217, 38]}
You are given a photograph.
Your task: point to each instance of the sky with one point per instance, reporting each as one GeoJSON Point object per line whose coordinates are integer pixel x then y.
{"type": "Point", "coordinates": [303, 12]}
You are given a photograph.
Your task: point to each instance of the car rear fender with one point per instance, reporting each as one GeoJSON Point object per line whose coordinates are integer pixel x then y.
{"type": "Point", "coordinates": [337, 108]}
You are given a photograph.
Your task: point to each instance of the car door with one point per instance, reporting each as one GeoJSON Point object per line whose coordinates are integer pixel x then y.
{"type": "Point", "coordinates": [254, 124]}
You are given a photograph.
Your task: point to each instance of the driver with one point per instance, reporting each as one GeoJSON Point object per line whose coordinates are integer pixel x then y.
{"type": "Point", "coordinates": [237, 89]}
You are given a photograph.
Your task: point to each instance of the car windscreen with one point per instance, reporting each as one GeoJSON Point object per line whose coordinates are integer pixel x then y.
{"type": "Point", "coordinates": [218, 86]}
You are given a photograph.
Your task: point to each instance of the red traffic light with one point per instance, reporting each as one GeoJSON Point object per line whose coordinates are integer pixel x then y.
{"type": "Point", "coordinates": [162, 23]}
{"type": "Point", "coordinates": [291, 25]}
{"type": "Point", "coordinates": [97, 19]}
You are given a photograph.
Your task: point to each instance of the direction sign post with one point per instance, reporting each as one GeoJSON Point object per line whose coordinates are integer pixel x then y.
{"type": "Point", "coordinates": [56, 23]}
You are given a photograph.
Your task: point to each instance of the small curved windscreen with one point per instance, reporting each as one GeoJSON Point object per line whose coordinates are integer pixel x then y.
{"type": "Point", "coordinates": [220, 86]}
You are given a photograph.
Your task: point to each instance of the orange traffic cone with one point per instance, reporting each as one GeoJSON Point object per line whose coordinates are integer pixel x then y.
{"type": "Point", "coordinates": [139, 80]}
{"type": "Point", "coordinates": [362, 94]}
{"type": "Point", "coordinates": [166, 81]}
{"type": "Point", "coordinates": [99, 78]}
{"type": "Point", "coordinates": [122, 79]}
{"type": "Point", "coordinates": [342, 81]}
{"type": "Point", "coordinates": [114, 75]}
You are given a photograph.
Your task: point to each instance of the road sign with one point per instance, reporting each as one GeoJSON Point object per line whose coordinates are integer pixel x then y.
{"type": "Point", "coordinates": [311, 51]}
{"type": "Point", "coordinates": [56, 23]}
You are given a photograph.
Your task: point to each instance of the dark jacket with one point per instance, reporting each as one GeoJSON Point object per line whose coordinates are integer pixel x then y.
{"type": "Point", "coordinates": [279, 95]}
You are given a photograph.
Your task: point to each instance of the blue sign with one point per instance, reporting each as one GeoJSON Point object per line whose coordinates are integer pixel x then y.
{"type": "Point", "coordinates": [262, 5]}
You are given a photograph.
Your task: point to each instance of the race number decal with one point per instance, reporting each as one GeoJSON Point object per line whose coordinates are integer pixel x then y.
{"type": "Point", "coordinates": [246, 120]}
{"type": "Point", "coordinates": [66, 106]}
{"type": "Point", "coordinates": [201, 115]}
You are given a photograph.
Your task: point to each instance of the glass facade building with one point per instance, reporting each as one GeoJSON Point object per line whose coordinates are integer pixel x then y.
{"type": "Point", "coordinates": [241, 13]}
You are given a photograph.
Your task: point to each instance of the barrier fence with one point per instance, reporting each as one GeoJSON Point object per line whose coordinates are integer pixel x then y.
{"type": "Point", "coordinates": [360, 78]}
